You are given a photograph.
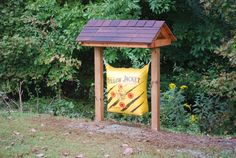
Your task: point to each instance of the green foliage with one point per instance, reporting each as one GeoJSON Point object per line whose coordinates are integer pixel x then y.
{"type": "Point", "coordinates": [135, 57]}
{"type": "Point", "coordinates": [60, 107]}
{"type": "Point", "coordinates": [173, 113]}
{"type": "Point", "coordinates": [109, 9]}
{"type": "Point", "coordinates": [10, 11]}
{"type": "Point", "coordinates": [200, 39]}
{"type": "Point", "coordinates": [138, 58]}
{"type": "Point", "coordinates": [184, 76]}
{"type": "Point", "coordinates": [63, 108]}
{"type": "Point", "coordinates": [59, 29]}
{"type": "Point", "coordinates": [161, 6]}
{"type": "Point", "coordinates": [212, 114]}
{"type": "Point", "coordinates": [42, 47]}
{"type": "Point", "coordinates": [224, 86]}
{"type": "Point", "coordinates": [224, 9]}
{"type": "Point", "coordinates": [16, 60]}
{"type": "Point", "coordinates": [228, 50]}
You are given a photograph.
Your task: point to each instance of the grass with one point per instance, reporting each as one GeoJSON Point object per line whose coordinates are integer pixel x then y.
{"type": "Point", "coordinates": [17, 140]}
{"type": "Point", "coordinates": [21, 135]}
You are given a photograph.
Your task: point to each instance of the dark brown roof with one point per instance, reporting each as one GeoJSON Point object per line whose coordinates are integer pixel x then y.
{"type": "Point", "coordinates": [123, 31]}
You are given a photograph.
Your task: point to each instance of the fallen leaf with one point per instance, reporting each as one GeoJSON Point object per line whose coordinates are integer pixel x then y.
{"type": "Point", "coordinates": [128, 151]}
{"type": "Point", "coordinates": [106, 155]}
{"type": "Point", "coordinates": [80, 156]}
{"type": "Point", "coordinates": [44, 148]}
{"type": "Point", "coordinates": [67, 133]}
{"type": "Point", "coordinates": [124, 145]}
{"type": "Point", "coordinates": [40, 155]}
{"type": "Point", "coordinates": [35, 150]}
{"type": "Point", "coordinates": [65, 153]}
{"type": "Point", "coordinates": [16, 133]}
{"type": "Point", "coordinates": [13, 143]}
{"type": "Point", "coordinates": [33, 130]}
{"type": "Point", "coordinates": [146, 140]}
{"type": "Point", "coordinates": [19, 155]}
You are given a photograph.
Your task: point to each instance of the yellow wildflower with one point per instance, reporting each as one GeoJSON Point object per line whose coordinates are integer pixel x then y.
{"type": "Point", "coordinates": [172, 86]}
{"type": "Point", "coordinates": [183, 87]}
{"type": "Point", "coordinates": [187, 106]}
{"type": "Point", "coordinates": [194, 118]}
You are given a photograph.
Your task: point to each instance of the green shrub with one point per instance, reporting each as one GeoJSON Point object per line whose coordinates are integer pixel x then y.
{"type": "Point", "coordinates": [172, 112]}
{"type": "Point", "coordinates": [37, 44]}
{"type": "Point", "coordinates": [213, 114]}
{"type": "Point", "coordinates": [60, 107]}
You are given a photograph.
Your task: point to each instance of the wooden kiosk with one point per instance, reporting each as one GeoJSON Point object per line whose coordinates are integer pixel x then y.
{"type": "Point", "coordinates": [131, 34]}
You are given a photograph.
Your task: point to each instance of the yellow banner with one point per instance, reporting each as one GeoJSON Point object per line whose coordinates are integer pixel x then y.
{"type": "Point", "coordinates": [127, 90]}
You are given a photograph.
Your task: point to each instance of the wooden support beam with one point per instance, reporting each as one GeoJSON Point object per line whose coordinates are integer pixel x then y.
{"type": "Point", "coordinates": [154, 44]}
{"type": "Point", "coordinates": [98, 69]}
{"type": "Point", "coordinates": [160, 43]}
{"type": "Point", "coordinates": [155, 90]}
{"type": "Point", "coordinates": [108, 44]}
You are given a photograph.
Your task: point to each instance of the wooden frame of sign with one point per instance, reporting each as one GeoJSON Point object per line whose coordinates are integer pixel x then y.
{"type": "Point", "coordinates": [130, 34]}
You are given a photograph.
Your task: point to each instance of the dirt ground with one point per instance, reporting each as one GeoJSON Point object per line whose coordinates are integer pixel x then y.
{"type": "Point", "coordinates": [198, 146]}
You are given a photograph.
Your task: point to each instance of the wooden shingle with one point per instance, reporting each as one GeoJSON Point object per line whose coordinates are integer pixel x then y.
{"type": "Point", "coordinates": [126, 33]}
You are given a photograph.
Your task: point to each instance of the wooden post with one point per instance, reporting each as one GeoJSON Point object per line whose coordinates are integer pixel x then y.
{"type": "Point", "coordinates": [98, 69]}
{"type": "Point", "coordinates": [155, 92]}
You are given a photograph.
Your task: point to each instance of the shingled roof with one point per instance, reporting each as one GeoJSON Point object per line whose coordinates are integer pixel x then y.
{"type": "Point", "coordinates": [126, 33]}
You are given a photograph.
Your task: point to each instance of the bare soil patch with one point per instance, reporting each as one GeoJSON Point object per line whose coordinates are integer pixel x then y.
{"type": "Point", "coordinates": [162, 139]}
